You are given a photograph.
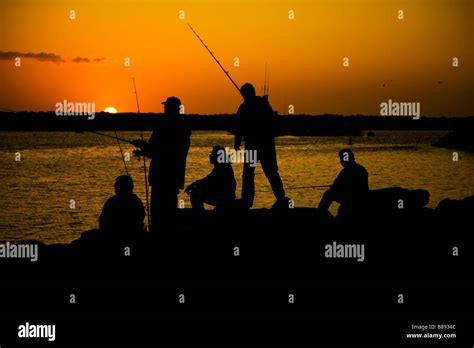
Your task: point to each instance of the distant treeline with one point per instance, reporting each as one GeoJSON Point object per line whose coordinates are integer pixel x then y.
{"type": "Point", "coordinates": [284, 125]}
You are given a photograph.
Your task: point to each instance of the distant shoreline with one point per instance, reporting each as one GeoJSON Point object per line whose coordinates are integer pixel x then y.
{"type": "Point", "coordinates": [299, 125]}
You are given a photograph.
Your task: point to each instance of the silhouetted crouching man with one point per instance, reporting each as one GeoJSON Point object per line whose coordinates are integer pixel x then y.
{"type": "Point", "coordinates": [255, 123]}
{"type": "Point", "coordinates": [168, 148]}
{"type": "Point", "coordinates": [122, 214]}
{"type": "Point", "coordinates": [350, 188]}
{"type": "Point", "coordinates": [218, 188]}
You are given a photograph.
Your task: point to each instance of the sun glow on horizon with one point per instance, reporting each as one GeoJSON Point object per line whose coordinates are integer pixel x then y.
{"type": "Point", "coordinates": [110, 110]}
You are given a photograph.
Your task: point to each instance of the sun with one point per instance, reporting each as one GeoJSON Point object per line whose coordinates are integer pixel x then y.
{"type": "Point", "coordinates": [110, 110]}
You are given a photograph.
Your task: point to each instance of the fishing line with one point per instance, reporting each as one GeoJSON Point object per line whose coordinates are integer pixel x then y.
{"type": "Point", "coordinates": [144, 160]}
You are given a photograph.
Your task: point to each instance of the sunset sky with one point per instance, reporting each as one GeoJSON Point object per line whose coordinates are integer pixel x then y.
{"type": "Point", "coordinates": [83, 58]}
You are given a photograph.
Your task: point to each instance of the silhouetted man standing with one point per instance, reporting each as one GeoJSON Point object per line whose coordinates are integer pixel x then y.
{"type": "Point", "coordinates": [350, 188]}
{"type": "Point", "coordinates": [255, 122]}
{"type": "Point", "coordinates": [168, 148]}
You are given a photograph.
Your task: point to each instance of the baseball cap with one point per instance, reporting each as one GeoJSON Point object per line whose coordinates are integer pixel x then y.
{"type": "Point", "coordinates": [172, 101]}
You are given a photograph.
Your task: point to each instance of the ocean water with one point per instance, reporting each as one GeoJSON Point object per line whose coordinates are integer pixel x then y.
{"type": "Point", "coordinates": [58, 167]}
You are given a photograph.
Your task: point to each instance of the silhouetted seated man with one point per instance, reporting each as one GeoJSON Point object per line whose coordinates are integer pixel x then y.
{"type": "Point", "coordinates": [350, 188]}
{"type": "Point", "coordinates": [122, 214]}
{"type": "Point", "coordinates": [218, 188]}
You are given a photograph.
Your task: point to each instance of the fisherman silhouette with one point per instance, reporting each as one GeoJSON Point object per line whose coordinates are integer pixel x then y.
{"type": "Point", "coordinates": [218, 188]}
{"type": "Point", "coordinates": [350, 188]}
{"type": "Point", "coordinates": [255, 123]}
{"type": "Point", "coordinates": [168, 148]}
{"type": "Point", "coordinates": [123, 213]}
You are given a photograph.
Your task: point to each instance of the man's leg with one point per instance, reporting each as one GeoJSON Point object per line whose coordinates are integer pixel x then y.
{"type": "Point", "coordinates": [164, 202]}
{"type": "Point", "coordinates": [248, 185]}
{"type": "Point", "coordinates": [197, 199]}
{"type": "Point", "coordinates": [169, 213]}
{"type": "Point", "coordinates": [270, 168]}
{"type": "Point", "coordinates": [326, 200]}
{"type": "Point", "coordinates": [155, 208]}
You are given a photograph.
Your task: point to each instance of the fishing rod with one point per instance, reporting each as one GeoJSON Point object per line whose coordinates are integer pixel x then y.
{"type": "Point", "coordinates": [108, 136]}
{"type": "Point", "coordinates": [121, 152]}
{"type": "Point", "coordinates": [266, 83]}
{"type": "Point", "coordinates": [144, 161]}
{"type": "Point", "coordinates": [118, 142]}
{"type": "Point", "coordinates": [300, 187]}
{"type": "Point", "coordinates": [217, 61]}
{"type": "Point", "coordinates": [307, 187]}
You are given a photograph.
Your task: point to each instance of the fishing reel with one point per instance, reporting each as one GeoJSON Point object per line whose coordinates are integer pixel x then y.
{"type": "Point", "coordinates": [140, 144]}
{"type": "Point", "coordinates": [137, 153]}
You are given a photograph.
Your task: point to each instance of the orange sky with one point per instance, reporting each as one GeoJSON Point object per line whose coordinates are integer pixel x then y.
{"type": "Point", "coordinates": [304, 55]}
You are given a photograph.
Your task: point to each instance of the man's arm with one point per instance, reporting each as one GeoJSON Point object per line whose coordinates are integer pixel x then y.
{"type": "Point", "coordinates": [338, 182]}
{"type": "Point", "coordinates": [238, 129]}
{"type": "Point", "coordinates": [148, 149]}
{"type": "Point", "coordinates": [141, 209]}
{"type": "Point", "coordinates": [104, 218]}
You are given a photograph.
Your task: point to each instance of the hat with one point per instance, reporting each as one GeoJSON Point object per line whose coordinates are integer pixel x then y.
{"type": "Point", "coordinates": [172, 101]}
